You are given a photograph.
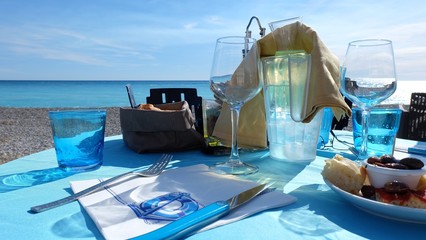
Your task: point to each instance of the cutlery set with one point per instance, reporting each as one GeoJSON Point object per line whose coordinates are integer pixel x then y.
{"type": "Point", "coordinates": [182, 227]}
{"type": "Point", "coordinates": [152, 171]}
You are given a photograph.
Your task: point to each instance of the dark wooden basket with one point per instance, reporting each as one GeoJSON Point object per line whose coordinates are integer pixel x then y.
{"type": "Point", "coordinates": [417, 117]}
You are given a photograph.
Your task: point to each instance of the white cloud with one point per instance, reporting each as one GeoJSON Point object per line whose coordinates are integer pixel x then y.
{"type": "Point", "coordinates": [215, 20]}
{"type": "Point", "coordinates": [49, 53]}
{"type": "Point", "coordinates": [190, 25]}
{"type": "Point", "coordinates": [67, 45]}
{"type": "Point", "coordinates": [128, 33]}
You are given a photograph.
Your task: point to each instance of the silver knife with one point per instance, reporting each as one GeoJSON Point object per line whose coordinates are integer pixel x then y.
{"type": "Point", "coordinates": [203, 217]}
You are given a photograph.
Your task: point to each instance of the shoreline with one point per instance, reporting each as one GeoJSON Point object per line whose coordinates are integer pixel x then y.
{"type": "Point", "coordinates": [25, 131]}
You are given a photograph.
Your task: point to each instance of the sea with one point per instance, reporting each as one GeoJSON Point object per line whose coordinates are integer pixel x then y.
{"type": "Point", "coordinates": [86, 94]}
{"type": "Point", "coordinates": [52, 94]}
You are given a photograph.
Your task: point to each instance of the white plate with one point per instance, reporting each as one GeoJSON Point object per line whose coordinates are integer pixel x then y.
{"type": "Point", "coordinates": [399, 213]}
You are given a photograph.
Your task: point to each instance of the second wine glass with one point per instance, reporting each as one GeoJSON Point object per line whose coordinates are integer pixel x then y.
{"type": "Point", "coordinates": [235, 82]}
{"type": "Point", "coordinates": [368, 77]}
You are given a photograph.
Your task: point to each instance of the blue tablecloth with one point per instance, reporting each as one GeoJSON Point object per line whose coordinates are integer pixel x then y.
{"type": "Point", "coordinates": [319, 213]}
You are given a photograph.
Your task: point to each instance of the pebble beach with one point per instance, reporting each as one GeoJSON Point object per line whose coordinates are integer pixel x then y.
{"type": "Point", "coordinates": [24, 131]}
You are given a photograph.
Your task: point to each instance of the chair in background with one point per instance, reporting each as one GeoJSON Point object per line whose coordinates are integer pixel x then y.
{"type": "Point", "coordinates": [403, 124]}
{"type": "Point", "coordinates": [170, 95]}
{"type": "Point", "coordinates": [417, 117]}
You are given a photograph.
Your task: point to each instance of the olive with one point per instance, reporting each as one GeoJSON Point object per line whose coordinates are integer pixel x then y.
{"type": "Point", "coordinates": [396, 166]}
{"type": "Point", "coordinates": [396, 187]}
{"type": "Point", "coordinates": [368, 191]}
{"type": "Point", "coordinates": [380, 164]}
{"type": "Point", "coordinates": [412, 163]}
{"type": "Point", "coordinates": [388, 159]}
{"type": "Point", "coordinates": [373, 160]}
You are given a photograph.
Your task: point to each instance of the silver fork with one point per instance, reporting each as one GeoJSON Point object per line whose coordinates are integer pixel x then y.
{"type": "Point", "coordinates": [154, 170]}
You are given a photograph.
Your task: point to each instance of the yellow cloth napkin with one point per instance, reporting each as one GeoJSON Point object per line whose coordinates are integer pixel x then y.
{"type": "Point", "coordinates": [323, 89]}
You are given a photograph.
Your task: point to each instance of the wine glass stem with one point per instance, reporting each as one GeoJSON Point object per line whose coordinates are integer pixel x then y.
{"type": "Point", "coordinates": [235, 115]}
{"type": "Point", "coordinates": [365, 117]}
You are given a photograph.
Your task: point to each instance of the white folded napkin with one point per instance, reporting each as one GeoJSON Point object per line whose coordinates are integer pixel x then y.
{"type": "Point", "coordinates": [123, 211]}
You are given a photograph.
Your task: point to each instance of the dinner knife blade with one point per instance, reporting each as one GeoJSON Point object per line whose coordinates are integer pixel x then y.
{"type": "Point", "coordinates": [186, 225]}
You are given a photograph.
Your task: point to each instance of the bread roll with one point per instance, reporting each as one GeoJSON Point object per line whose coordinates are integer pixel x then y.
{"type": "Point", "coordinates": [422, 183]}
{"type": "Point", "coordinates": [148, 106]}
{"type": "Point", "coordinates": [344, 173]}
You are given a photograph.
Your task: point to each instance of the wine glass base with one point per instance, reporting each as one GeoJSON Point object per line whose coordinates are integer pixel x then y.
{"type": "Point", "coordinates": [234, 168]}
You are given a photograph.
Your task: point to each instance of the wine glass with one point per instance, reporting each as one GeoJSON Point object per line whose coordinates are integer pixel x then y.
{"type": "Point", "coordinates": [368, 77]}
{"type": "Point", "coordinates": [235, 87]}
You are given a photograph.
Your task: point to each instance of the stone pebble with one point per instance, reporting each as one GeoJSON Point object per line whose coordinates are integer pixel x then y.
{"type": "Point", "coordinates": [24, 131]}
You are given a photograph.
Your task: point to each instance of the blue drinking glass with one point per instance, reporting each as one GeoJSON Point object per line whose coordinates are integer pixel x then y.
{"type": "Point", "coordinates": [327, 120]}
{"type": "Point", "coordinates": [383, 125]}
{"type": "Point", "coordinates": [78, 136]}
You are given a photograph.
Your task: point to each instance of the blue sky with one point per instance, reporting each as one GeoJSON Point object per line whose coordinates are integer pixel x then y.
{"type": "Point", "coordinates": [167, 40]}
